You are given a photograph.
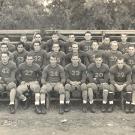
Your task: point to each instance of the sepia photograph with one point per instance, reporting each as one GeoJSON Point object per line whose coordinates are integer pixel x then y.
{"type": "Point", "coordinates": [67, 67]}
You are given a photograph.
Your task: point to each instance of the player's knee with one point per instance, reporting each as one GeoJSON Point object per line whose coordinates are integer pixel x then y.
{"type": "Point", "coordinates": [129, 88]}
{"type": "Point", "coordinates": [67, 87]}
{"type": "Point", "coordinates": [11, 85]}
{"type": "Point", "coordinates": [36, 88]}
{"type": "Point", "coordinates": [83, 87]}
{"type": "Point", "coordinates": [92, 86]}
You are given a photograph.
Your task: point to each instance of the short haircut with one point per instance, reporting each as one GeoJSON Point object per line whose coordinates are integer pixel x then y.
{"type": "Point", "coordinates": [29, 55]}
{"type": "Point", "coordinates": [114, 42]}
{"type": "Point", "coordinates": [3, 44]}
{"type": "Point", "coordinates": [53, 56]}
{"type": "Point", "coordinates": [5, 53]}
{"type": "Point", "coordinates": [19, 43]}
{"type": "Point", "coordinates": [55, 33]}
{"type": "Point", "coordinates": [120, 58]}
{"type": "Point", "coordinates": [131, 45]}
{"type": "Point", "coordinates": [56, 44]}
{"type": "Point", "coordinates": [106, 36]}
{"type": "Point", "coordinates": [98, 56]}
{"type": "Point", "coordinates": [36, 42]}
{"type": "Point", "coordinates": [87, 32]}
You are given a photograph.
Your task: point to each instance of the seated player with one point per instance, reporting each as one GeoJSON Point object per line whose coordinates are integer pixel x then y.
{"type": "Point", "coordinates": [55, 39]}
{"type": "Point", "coordinates": [75, 79]}
{"type": "Point", "coordinates": [39, 55]}
{"type": "Point", "coordinates": [123, 45]}
{"type": "Point", "coordinates": [7, 79]}
{"type": "Point", "coordinates": [130, 56]}
{"type": "Point", "coordinates": [58, 54]}
{"type": "Point", "coordinates": [120, 78]}
{"type": "Point", "coordinates": [29, 75]}
{"type": "Point", "coordinates": [112, 55]}
{"type": "Point", "coordinates": [11, 47]}
{"type": "Point", "coordinates": [23, 39]}
{"type": "Point", "coordinates": [98, 78]}
{"type": "Point", "coordinates": [4, 49]}
{"type": "Point", "coordinates": [68, 44]}
{"type": "Point", "coordinates": [76, 52]}
{"type": "Point", "coordinates": [85, 45]}
{"type": "Point", "coordinates": [53, 78]}
{"type": "Point", "coordinates": [20, 54]}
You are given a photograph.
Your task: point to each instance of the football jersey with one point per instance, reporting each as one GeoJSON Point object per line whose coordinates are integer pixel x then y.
{"type": "Point", "coordinates": [105, 47]}
{"type": "Point", "coordinates": [130, 60]}
{"type": "Point", "coordinates": [123, 47]}
{"type": "Point", "coordinates": [98, 75]}
{"type": "Point", "coordinates": [75, 73]}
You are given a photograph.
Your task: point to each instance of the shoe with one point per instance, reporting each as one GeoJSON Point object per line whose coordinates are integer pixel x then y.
{"type": "Point", "coordinates": [110, 108]}
{"type": "Point", "coordinates": [127, 108]}
{"type": "Point", "coordinates": [25, 104]}
{"type": "Point", "coordinates": [37, 109]}
{"type": "Point", "coordinates": [12, 109]}
{"type": "Point", "coordinates": [43, 109]}
{"type": "Point", "coordinates": [61, 109]}
{"type": "Point", "coordinates": [67, 107]}
{"type": "Point", "coordinates": [92, 108]}
{"type": "Point", "coordinates": [132, 108]}
{"type": "Point", "coordinates": [104, 108]}
{"type": "Point", "coordinates": [84, 108]}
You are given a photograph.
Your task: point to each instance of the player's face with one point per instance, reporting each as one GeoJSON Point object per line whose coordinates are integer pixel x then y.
{"type": "Point", "coordinates": [56, 48]}
{"type": "Point", "coordinates": [53, 61]}
{"type": "Point", "coordinates": [87, 36]}
{"type": "Point", "coordinates": [71, 38]}
{"type": "Point", "coordinates": [37, 47]}
{"type": "Point", "coordinates": [114, 46]}
{"type": "Point", "coordinates": [75, 48]}
{"type": "Point", "coordinates": [20, 48]}
{"type": "Point", "coordinates": [95, 46]}
{"type": "Point", "coordinates": [38, 38]}
{"type": "Point", "coordinates": [120, 63]}
{"type": "Point", "coordinates": [75, 61]}
{"type": "Point", "coordinates": [98, 61]}
{"type": "Point", "coordinates": [4, 48]}
{"type": "Point", "coordinates": [6, 40]}
{"type": "Point", "coordinates": [131, 50]}
{"type": "Point", "coordinates": [23, 39]}
{"type": "Point", "coordinates": [29, 60]}
{"type": "Point", "coordinates": [107, 40]}
{"type": "Point", "coordinates": [55, 38]}
{"type": "Point", "coordinates": [124, 38]}
{"type": "Point", "coordinates": [4, 58]}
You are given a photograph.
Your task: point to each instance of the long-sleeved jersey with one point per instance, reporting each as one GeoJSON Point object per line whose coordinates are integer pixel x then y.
{"type": "Point", "coordinates": [85, 45]}
{"type": "Point", "coordinates": [19, 57]}
{"type": "Point", "coordinates": [123, 47]}
{"type": "Point", "coordinates": [111, 57]}
{"type": "Point", "coordinates": [7, 72]}
{"type": "Point", "coordinates": [120, 76]}
{"type": "Point", "coordinates": [130, 60]}
{"type": "Point", "coordinates": [40, 57]}
{"type": "Point", "coordinates": [28, 73]}
{"type": "Point", "coordinates": [98, 75]}
{"type": "Point", "coordinates": [104, 46]}
{"type": "Point", "coordinates": [53, 74]}
{"type": "Point", "coordinates": [60, 57]}
{"type": "Point", "coordinates": [76, 73]}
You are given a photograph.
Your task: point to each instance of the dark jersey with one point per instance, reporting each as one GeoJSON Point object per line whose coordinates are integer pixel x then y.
{"type": "Point", "coordinates": [82, 55]}
{"type": "Point", "coordinates": [111, 57]}
{"type": "Point", "coordinates": [7, 72]}
{"type": "Point", "coordinates": [98, 75]}
{"type": "Point", "coordinates": [130, 60]}
{"type": "Point", "coordinates": [53, 74]}
{"type": "Point", "coordinates": [60, 57]}
{"type": "Point", "coordinates": [105, 47]}
{"type": "Point", "coordinates": [85, 45]}
{"type": "Point", "coordinates": [122, 47]}
{"type": "Point", "coordinates": [120, 76]}
{"type": "Point", "coordinates": [28, 73]}
{"type": "Point", "coordinates": [19, 57]}
{"type": "Point", "coordinates": [39, 57]}
{"type": "Point", "coordinates": [75, 73]}
{"type": "Point", "coordinates": [133, 74]}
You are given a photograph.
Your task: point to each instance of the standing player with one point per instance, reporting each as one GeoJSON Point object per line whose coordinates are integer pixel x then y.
{"type": "Point", "coordinates": [76, 79]}
{"type": "Point", "coordinates": [98, 76]}
{"type": "Point", "coordinates": [39, 55]}
{"type": "Point", "coordinates": [7, 79]}
{"type": "Point", "coordinates": [20, 54]}
{"type": "Point", "coordinates": [120, 78]}
{"type": "Point", "coordinates": [53, 77]}
{"type": "Point", "coordinates": [112, 55]}
{"type": "Point", "coordinates": [123, 45]}
{"type": "Point", "coordinates": [58, 54]}
{"type": "Point", "coordinates": [85, 45]}
{"type": "Point", "coordinates": [130, 56]}
{"type": "Point", "coordinates": [29, 76]}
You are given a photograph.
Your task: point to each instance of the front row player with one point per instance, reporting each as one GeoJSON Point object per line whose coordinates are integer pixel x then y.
{"type": "Point", "coordinates": [7, 79]}
{"type": "Point", "coordinates": [28, 76]}
{"type": "Point", "coordinates": [53, 78]}
{"type": "Point", "coordinates": [120, 78]}
{"type": "Point", "coordinates": [98, 77]}
{"type": "Point", "coordinates": [75, 79]}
